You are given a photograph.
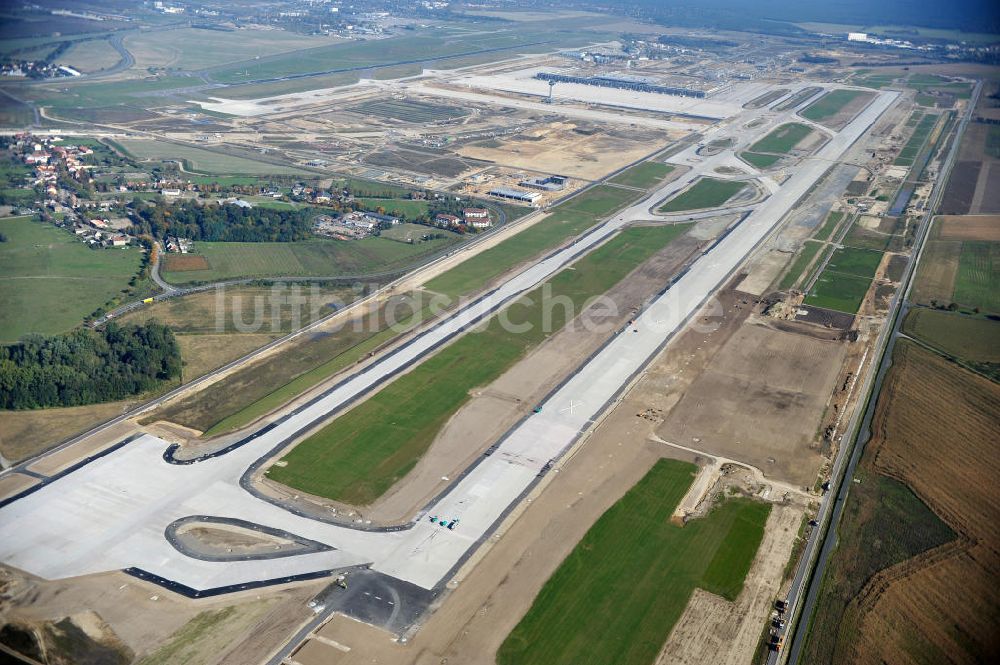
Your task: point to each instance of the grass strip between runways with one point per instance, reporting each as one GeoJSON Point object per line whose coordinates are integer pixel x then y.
{"type": "Point", "coordinates": [618, 594]}
{"type": "Point", "coordinates": [567, 219]}
{"type": "Point", "coordinates": [360, 455]}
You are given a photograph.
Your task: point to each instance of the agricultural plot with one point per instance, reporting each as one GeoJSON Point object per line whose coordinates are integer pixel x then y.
{"type": "Point", "coordinates": [934, 425]}
{"type": "Point", "coordinates": [49, 280]}
{"type": "Point", "coordinates": [970, 339]}
{"type": "Point", "coordinates": [408, 110]}
{"type": "Point", "coordinates": [977, 283]}
{"type": "Point", "coordinates": [844, 282]}
{"type": "Point", "coordinates": [644, 175]}
{"type": "Point", "coordinates": [567, 219]}
{"type": "Point", "coordinates": [310, 258]}
{"type": "Point", "coordinates": [360, 455]}
{"type": "Point", "coordinates": [196, 159]}
{"type": "Point", "coordinates": [629, 579]}
{"type": "Point", "coordinates": [705, 193]}
{"type": "Point", "coordinates": [837, 107]}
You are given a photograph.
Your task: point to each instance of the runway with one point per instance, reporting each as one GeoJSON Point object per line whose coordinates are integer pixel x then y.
{"type": "Point", "coordinates": [112, 513]}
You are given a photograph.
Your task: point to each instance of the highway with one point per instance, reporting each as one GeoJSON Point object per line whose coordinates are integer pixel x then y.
{"type": "Point", "coordinates": [822, 540]}
{"type": "Point", "coordinates": [112, 513]}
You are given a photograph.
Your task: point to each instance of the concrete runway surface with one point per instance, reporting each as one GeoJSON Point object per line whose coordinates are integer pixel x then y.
{"type": "Point", "coordinates": [111, 513]}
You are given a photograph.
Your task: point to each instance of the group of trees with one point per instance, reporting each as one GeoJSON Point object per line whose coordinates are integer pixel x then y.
{"type": "Point", "coordinates": [220, 223]}
{"type": "Point", "coordinates": [86, 366]}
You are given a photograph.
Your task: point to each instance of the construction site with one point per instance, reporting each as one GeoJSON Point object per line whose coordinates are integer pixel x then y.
{"type": "Point", "coordinates": [738, 230]}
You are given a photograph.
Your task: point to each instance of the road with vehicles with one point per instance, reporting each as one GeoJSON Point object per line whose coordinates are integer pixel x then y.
{"type": "Point", "coordinates": [112, 512]}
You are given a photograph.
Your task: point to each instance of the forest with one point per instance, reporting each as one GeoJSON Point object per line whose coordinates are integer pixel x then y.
{"type": "Point", "coordinates": [87, 366]}
{"type": "Point", "coordinates": [220, 223]}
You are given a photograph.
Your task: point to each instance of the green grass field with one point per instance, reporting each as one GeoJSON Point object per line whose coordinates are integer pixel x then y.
{"type": "Point", "coordinates": [857, 262]}
{"type": "Point", "coordinates": [845, 280]}
{"type": "Point", "coordinates": [49, 280]}
{"type": "Point", "coordinates": [308, 258]}
{"type": "Point", "coordinates": [909, 151]}
{"type": "Point", "coordinates": [618, 594]}
{"type": "Point", "coordinates": [977, 283]}
{"type": "Point", "coordinates": [968, 338]}
{"type": "Point", "coordinates": [802, 262]}
{"type": "Point", "coordinates": [705, 193]}
{"type": "Point", "coordinates": [782, 139]}
{"type": "Point", "coordinates": [831, 222]}
{"type": "Point", "coordinates": [992, 147]}
{"type": "Point", "coordinates": [185, 48]}
{"type": "Point", "coordinates": [830, 104]}
{"type": "Point", "coordinates": [568, 219]}
{"type": "Point", "coordinates": [407, 208]}
{"type": "Point", "coordinates": [643, 175]}
{"type": "Point", "coordinates": [759, 160]}
{"type": "Point", "coordinates": [196, 159]}
{"type": "Point", "coordinates": [363, 453]}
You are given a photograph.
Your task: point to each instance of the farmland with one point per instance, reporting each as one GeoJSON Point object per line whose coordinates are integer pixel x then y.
{"type": "Point", "coordinates": [309, 258]}
{"type": "Point", "coordinates": [360, 455]}
{"type": "Point", "coordinates": [705, 193]}
{"type": "Point", "coordinates": [67, 279]}
{"type": "Point", "coordinates": [845, 280]}
{"type": "Point", "coordinates": [977, 283]}
{"type": "Point", "coordinates": [928, 500]}
{"type": "Point", "coordinates": [568, 219]}
{"type": "Point", "coordinates": [196, 159]}
{"type": "Point", "coordinates": [972, 341]}
{"type": "Point", "coordinates": [643, 175]}
{"type": "Point", "coordinates": [631, 576]}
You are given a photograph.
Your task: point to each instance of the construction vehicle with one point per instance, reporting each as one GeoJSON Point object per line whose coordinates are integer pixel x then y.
{"type": "Point", "coordinates": [341, 581]}
{"type": "Point", "coordinates": [147, 301]}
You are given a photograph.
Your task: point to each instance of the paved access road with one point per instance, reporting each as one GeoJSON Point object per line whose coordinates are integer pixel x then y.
{"type": "Point", "coordinates": [112, 512]}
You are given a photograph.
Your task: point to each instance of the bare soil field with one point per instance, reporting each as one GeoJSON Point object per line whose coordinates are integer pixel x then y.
{"type": "Point", "coordinates": [934, 425]}
{"type": "Point", "coordinates": [961, 188]}
{"type": "Point", "coordinates": [936, 272]}
{"type": "Point", "coordinates": [159, 627]}
{"type": "Point", "coordinates": [26, 433]}
{"type": "Point", "coordinates": [969, 227]}
{"type": "Point", "coordinates": [772, 387]}
{"type": "Point", "coordinates": [559, 148]}
{"type": "Point", "coordinates": [184, 263]}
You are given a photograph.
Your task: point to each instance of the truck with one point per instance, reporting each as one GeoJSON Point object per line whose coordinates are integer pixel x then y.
{"type": "Point", "coordinates": [147, 301]}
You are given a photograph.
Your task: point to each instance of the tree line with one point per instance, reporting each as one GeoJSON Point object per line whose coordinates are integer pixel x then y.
{"type": "Point", "coordinates": [87, 366]}
{"type": "Point", "coordinates": [211, 222]}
